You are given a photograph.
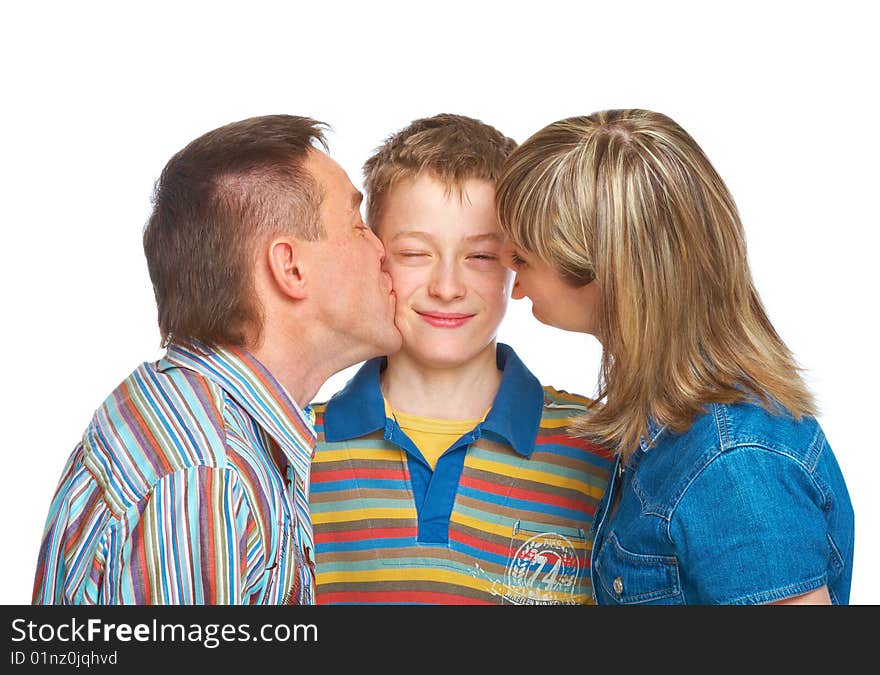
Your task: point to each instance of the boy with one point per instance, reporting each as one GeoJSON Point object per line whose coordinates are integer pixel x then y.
{"type": "Point", "coordinates": [443, 474]}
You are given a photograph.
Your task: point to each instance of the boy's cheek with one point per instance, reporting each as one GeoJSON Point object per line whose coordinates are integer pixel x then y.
{"type": "Point", "coordinates": [404, 279]}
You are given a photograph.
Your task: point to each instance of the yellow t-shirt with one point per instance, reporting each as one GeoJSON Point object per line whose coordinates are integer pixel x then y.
{"type": "Point", "coordinates": [432, 436]}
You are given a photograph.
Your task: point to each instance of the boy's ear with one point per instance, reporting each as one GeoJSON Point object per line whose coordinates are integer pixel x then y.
{"type": "Point", "coordinates": [285, 265]}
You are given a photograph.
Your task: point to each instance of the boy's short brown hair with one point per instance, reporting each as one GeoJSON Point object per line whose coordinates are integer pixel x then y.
{"type": "Point", "coordinates": [452, 148]}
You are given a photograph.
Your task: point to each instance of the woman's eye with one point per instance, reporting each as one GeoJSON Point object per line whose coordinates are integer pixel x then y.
{"type": "Point", "coordinates": [516, 260]}
{"type": "Point", "coordinates": [483, 256]}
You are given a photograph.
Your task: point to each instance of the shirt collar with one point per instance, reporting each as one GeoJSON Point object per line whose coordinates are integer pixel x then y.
{"type": "Point", "coordinates": [358, 409]}
{"type": "Point", "coordinates": [253, 387]}
{"type": "Point", "coordinates": [654, 431]}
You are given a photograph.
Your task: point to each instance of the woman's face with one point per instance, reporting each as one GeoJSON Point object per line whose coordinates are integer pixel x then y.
{"type": "Point", "coordinates": [554, 301]}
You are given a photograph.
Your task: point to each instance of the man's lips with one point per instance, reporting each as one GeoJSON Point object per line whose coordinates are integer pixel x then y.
{"type": "Point", "coordinates": [445, 319]}
{"type": "Point", "coordinates": [386, 283]}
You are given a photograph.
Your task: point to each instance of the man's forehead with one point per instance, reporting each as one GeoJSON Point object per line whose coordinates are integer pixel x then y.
{"type": "Point", "coordinates": [320, 164]}
{"type": "Point", "coordinates": [332, 179]}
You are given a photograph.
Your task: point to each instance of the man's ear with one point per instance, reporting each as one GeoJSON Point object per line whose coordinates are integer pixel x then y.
{"type": "Point", "coordinates": [285, 265]}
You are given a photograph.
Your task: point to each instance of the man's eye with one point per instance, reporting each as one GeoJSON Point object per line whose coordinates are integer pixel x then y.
{"type": "Point", "coordinates": [483, 256]}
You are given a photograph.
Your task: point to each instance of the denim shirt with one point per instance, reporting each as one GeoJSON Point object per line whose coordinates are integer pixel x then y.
{"type": "Point", "coordinates": [744, 507]}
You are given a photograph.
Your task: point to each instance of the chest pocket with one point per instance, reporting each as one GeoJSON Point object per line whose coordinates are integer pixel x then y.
{"type": "Point", "coordinates": [629, 578]}
{"type": "Point", "coordinates": [547, 565]}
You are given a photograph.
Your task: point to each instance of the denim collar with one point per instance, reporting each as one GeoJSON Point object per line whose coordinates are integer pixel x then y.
{"type": "Point", "coordinates": [358, 409]}
{"type": "Point", "coordinates": [654, 431]}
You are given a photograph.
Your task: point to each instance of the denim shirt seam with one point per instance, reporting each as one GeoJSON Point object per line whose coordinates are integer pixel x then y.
{"type": "Point", "coordinates": [666, 510]}
{"type": "Point", "coordinates": [835, 550]}
{"type": "Point", "coordinates": [820, 487]}
{"type": "Point", "coordinates": [809, 459]}
{"type": "Point", "coordinates": [788, 591]}
{"type": "Point", "coordinates": [676, 500]}
{"type": "Point", "coordinates": [780, 449]}
{"type": "Point", "coordinates": [826, 496]}
{"type": "Point", "coordinates": [817, 447]}
{"type": "Point", "coordinates": [647, 559]}
{"type": "Point", "coordinates": [645, 506]}
{"type": "Point", "coordinates": [719, 413]}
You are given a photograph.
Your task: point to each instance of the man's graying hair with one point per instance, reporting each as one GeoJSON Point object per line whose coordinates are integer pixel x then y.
{"type": "Point", "coordinates": [215, 201]}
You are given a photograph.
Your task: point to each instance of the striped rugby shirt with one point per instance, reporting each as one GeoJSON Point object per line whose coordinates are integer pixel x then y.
{"type": "Point", "coordinates": [190, 486]}
{"type": "Point", "coordinates": [506, 517]}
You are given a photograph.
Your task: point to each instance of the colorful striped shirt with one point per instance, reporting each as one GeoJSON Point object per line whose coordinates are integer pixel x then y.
{"type": "Point", "coordinates": [190, 486]}
{"type": "Point", "coordinates": [505, 517]}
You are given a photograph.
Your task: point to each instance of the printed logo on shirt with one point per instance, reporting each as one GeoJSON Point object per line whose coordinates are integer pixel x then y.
{"type": "Point", "coordinates": [543, 571]}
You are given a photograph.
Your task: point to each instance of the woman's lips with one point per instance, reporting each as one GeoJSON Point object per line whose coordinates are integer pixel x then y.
{"type": "Point", "coordinates": [445, 319]}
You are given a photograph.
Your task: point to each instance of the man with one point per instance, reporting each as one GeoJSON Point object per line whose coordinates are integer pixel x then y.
{"type": "Point", "coordinates": [191, 483]}
{"type": "Point", "coordinates": [443, 473]}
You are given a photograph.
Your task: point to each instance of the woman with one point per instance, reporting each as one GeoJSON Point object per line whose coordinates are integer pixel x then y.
{"type": "Point", "coordinates": [725, 489]}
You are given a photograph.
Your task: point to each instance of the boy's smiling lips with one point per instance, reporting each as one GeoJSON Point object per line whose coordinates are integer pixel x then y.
{"type": "Point", "coordinates": [444, 319]}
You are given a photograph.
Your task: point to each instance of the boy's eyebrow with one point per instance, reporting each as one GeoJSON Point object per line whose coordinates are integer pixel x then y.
{"type": "Point", "coordinates": [492, 236]}
{"type": "Point", "coordinates": [412, 233]}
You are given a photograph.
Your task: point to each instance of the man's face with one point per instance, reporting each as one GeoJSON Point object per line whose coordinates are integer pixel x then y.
{"type": "Point", "coordinates": [443, 248]}
{"type": "Point", "coordinates": [354, 294]}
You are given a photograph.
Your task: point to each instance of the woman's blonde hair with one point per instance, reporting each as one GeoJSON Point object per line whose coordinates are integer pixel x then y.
{"type": "Point", "coordinates": [627, 197]}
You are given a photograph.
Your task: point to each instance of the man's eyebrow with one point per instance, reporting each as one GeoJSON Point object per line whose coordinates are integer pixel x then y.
{"type": "Point", "coordinates": [356, 198]}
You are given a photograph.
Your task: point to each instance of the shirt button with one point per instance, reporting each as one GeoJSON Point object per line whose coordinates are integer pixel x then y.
{"type": "Point", "coordinates": [617, 585]}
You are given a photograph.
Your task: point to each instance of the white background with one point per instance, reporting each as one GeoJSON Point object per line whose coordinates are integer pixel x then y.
{"type": "Point", "coordinates": [96, 98]}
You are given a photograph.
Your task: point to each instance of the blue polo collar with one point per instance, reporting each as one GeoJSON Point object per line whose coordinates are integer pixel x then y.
{"type": "Point", "coordinates": [358, 409]}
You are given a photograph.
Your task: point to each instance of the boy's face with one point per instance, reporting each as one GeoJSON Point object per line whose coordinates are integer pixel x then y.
{"type": "Point", "coordinates": [443, 253]}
